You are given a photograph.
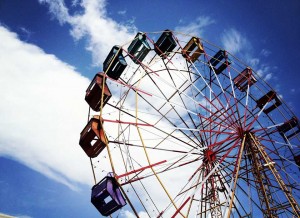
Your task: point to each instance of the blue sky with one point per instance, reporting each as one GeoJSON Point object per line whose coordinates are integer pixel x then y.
{"type": "Point", "coordinates": [46, 44]}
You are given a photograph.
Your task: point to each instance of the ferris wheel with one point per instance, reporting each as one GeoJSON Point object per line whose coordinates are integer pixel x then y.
{"type": "Point", "coordinates": [178, 127]}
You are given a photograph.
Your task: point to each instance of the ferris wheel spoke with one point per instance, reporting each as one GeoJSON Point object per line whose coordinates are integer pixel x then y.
{"type": "Point", "coordinates": [172, 164]}
{"type": "Point", "coordinates": [211, 102]}
{"type": "Point", "coordinates": [153, 148]}
{"type": "Point", "coordinates": [216, 108]}
{"type": "Point", "coordinates": [203, 79]}
{"type": "Point", "coordinates": [161, 170]}
{"type": "Point", "coordinates": [159, 149]}
{"type": "Point", "coordinates": [178, 128]}
{"type": "Point", "coordinates": [161, 130]}
{"type": "Point", "coordinates": [273, 141]}
{"type": "Point", "coordinates": [231, 116]}
{"type": "Point", "coordinates": [239, 102]}
{"type": "Point", "coordinates": [214, 116]}
{"type": "Point", "coordinates": [236, 100]}
{"type": "Point", "coordinates": [223, 92]}
{"type": "Point", "coordinates": [181, 98]}
{"type": "Point", "coordinates": [219, 135]}
{"type": "Point", "coordinates": [224, 145]}
{"type": "Point", "coordinates": [210, 120]}
{"type": "Point", "coordinates": [225, 114]}
{"type": "Point", "coordinates": [187, 198]}
{"type": "Point", "coordinates": [167, 100]}
{"type": "Point", "coordinates": [246, 105]}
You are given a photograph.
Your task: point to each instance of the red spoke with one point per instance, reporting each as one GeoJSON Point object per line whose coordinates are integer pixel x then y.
{"type": "Point", "coordinates": [179, 209]}
{"type": "Point", "coordinates": [125, 122]}
{"type": "Point", "coordinates": [140, 169]}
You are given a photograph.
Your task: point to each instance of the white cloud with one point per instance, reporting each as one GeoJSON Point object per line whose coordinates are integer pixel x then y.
{"type": "Point", "coordinates": [23, 216]}
{"type": "Point", "coordinates": [195, 28]}
{"type": "Point", "coordinates": [94, 25]}
{"type": "Point", "coordinates": [58, 8]}
{"type": "Point", "coordinates": [238, 45]}
{"type": "Point", "coordinates": [263, 70]}
{"type": "Point", "coordinates": [293, 90]}
{"type": "Point", "coordinates": [42, 111]}
{"type": "Point", "coordinates": [75, 2]}
{"type": "Point", "coordinates": [129, 214]}
{"type": "Point", "coordinates": [234, 42]}
{"type": "Point", "coordinates": [123, 12]}
{"type": "Point", "coordinates": [26, 33]}
{"type": "Point", "coordinates": [268, 76]}
{"type": "Point", "coordinates": [265, 52]}
{"type": "Point", "coordinates": [253, 62]}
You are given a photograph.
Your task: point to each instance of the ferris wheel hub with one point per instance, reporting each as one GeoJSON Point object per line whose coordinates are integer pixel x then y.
{"type": "Point", "coordinates": [209, 156]}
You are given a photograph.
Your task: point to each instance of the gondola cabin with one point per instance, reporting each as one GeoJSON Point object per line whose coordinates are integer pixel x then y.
{"type": "Point", "coordinates": [139, 48]}
{"type": "Point", "coordinates": [93, 94]}
{"type": "Point", "coordinates": [192, 50]}
{"type": "Point", "coordinates": [92, 138]}
{"type": "Point", "coordinates": [115, 63]}
{"type": "Point", "coordinates": [165, 44]}
{"type": "Point", "coordinates": [107, 196]}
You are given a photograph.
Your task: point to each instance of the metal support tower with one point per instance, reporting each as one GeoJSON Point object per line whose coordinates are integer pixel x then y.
{"type": "Point", "coordinates": [262, 168]}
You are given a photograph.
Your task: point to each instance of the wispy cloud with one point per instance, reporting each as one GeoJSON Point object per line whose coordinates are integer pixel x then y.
{"type": "Point", "coordinates": [264, 72]}
{"type": "Point", "coordinates": [23, 216]}
{"type": "Point", "coordinates": [234, 42]}
{"type": "Point", "coordinates": [268, 76]}
{"type": "Point", "coordinates": [238, 45]}
{"type": "Point", "coordinates": [25, 33]}
{"type": "Point", "coordinates": [253, 61]}
{"type": "Point", "coordinates": [41, 108]}
{"type": "Point", "coordinates": [129, 214]}
{"type": "Point", "coordinates": [195, 28]}
{"type": "Point", "coordinates": [58, 9]}
{"type": "Point", "coordinates": [265, 52]}
{"type": "Point", "coordinates": [94, 25]}
{"type": "Point", "coordinates": [123, 12]}
{"type": "Point", "coordinates": [75, 2]}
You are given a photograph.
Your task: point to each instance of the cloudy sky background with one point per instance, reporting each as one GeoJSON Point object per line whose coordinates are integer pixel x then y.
{"type": "Point", "coordinates": [51, 49]}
